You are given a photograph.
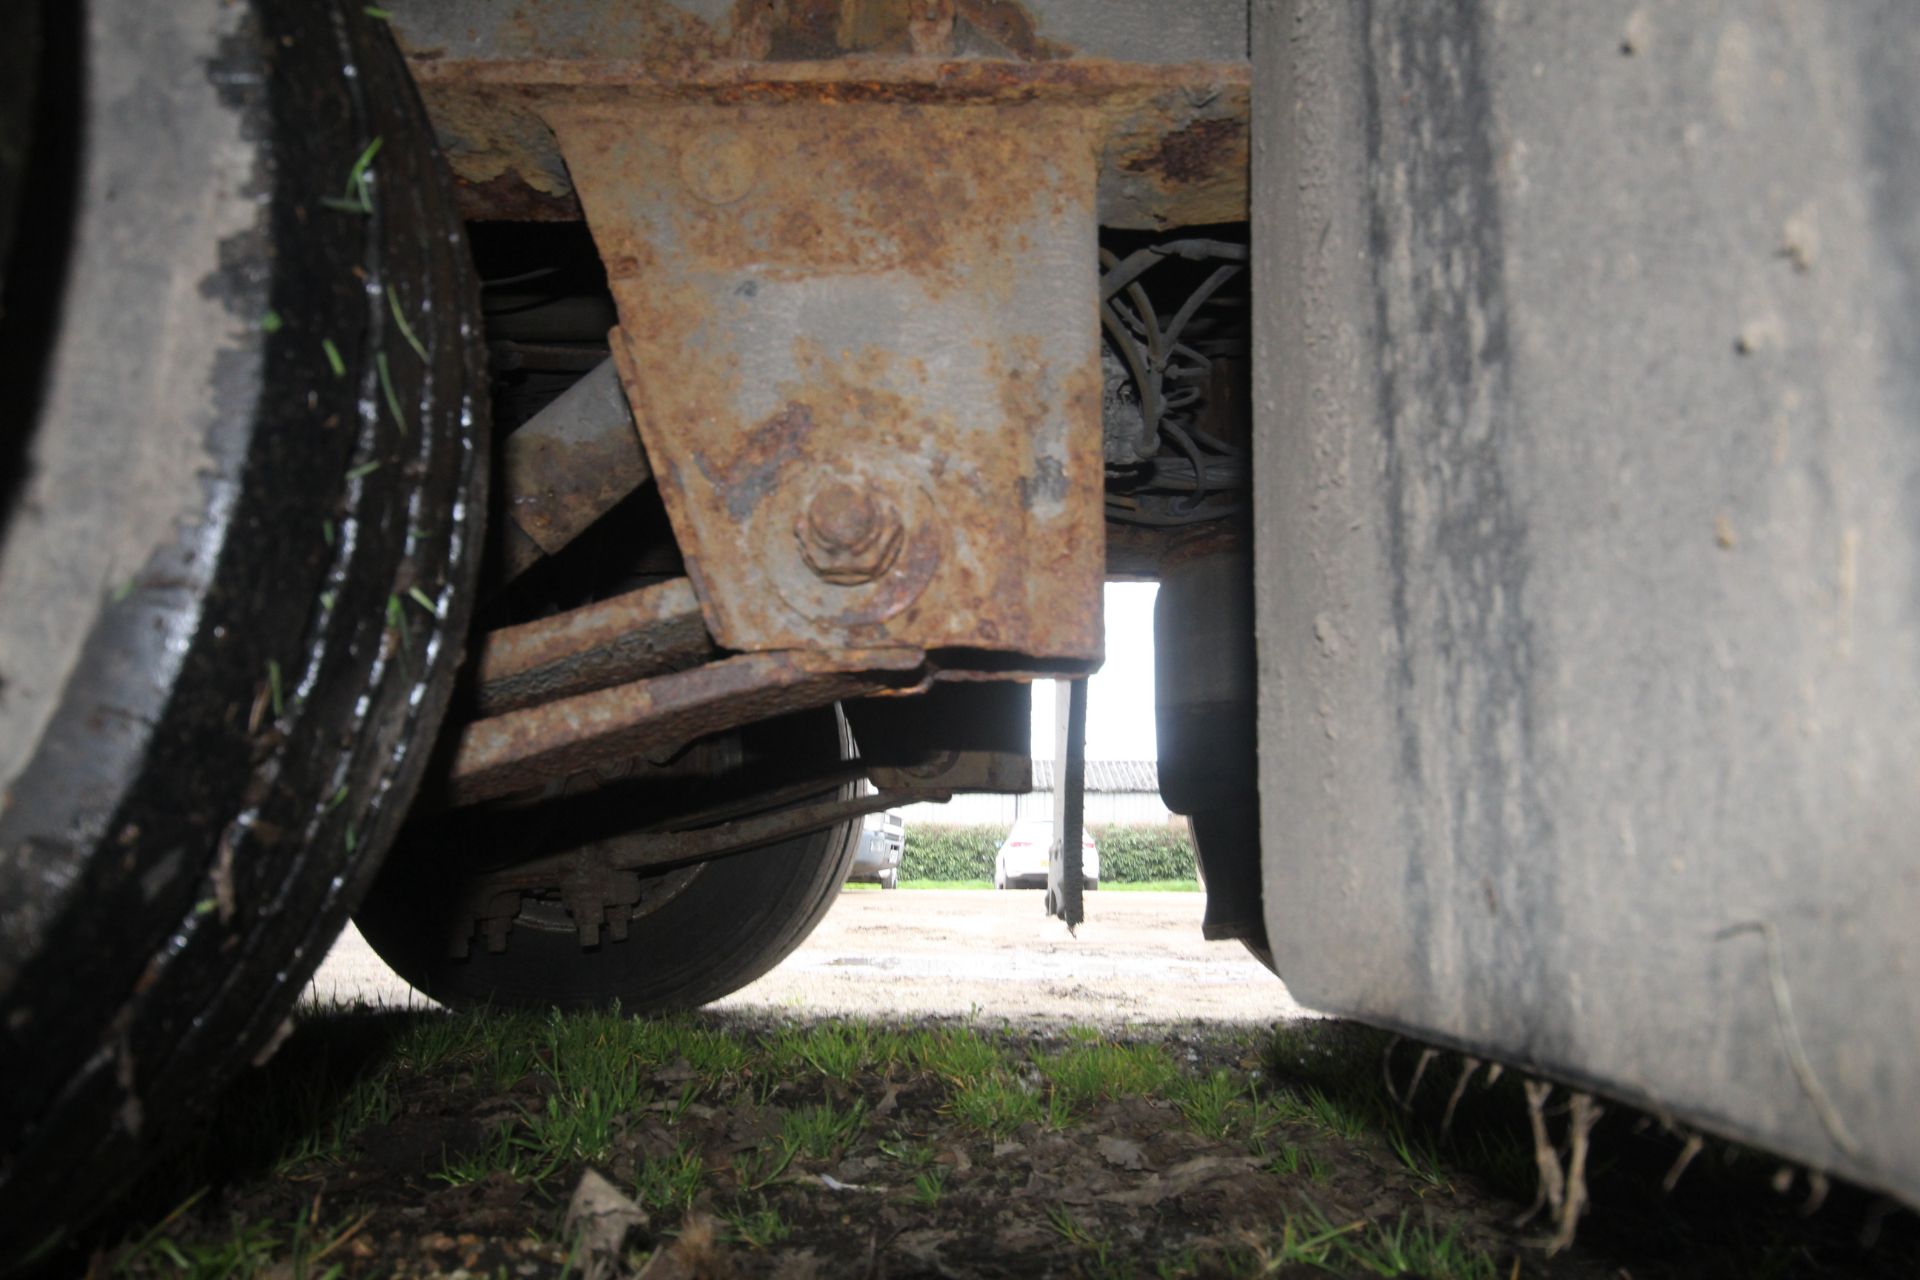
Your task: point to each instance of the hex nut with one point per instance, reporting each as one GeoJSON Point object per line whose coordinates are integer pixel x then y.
{"type": "Point", "coordinates": [850, 534]}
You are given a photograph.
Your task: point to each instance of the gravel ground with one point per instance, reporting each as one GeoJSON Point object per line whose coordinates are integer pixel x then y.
{"type": "Point", "coordinates": [1138, 958]}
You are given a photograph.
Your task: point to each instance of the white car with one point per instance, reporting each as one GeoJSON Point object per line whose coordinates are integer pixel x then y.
{"type": "Point", "coordinates": [883, 839]}
{"type": "Point", "coordinates": [1021, 862]}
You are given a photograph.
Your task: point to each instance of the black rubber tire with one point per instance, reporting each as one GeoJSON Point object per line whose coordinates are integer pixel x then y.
{"type": "Point", "coordinates": [233, 732]}
{"type": "Point", "coordinates": [19, 88]}
{"type": "Point", "coordinates": [736, 920]}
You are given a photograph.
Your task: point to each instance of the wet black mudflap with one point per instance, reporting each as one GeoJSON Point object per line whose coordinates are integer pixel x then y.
{"type": "Point", "coordinates": [173, 880]}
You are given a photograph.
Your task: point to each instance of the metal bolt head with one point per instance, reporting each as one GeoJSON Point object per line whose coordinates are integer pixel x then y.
{"type": "Point", "coordinates": [850, 534]}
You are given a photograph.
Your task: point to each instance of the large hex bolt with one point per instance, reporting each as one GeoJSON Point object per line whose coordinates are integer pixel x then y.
{"type": "Point", "coordinates": [850, 534]}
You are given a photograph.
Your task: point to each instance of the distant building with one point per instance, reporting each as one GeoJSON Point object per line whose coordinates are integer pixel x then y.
{"type": "Point", "coordinates": [1118, 792]}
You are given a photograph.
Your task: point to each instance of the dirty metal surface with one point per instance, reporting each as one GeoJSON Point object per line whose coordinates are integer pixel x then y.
{"type": "Point", "coordinates": [1066, 871]}
{"type": "Point", "coordinates": [570, 463]}
{"type": "Point", "coordinates": [659, 850]}
{"type": "Point", "coordinates": [969, 735]}
{"type": "Point", "coordinates": [629, 637]}
{"type": "Point", "coordinates": [1149, 31]}
{"type": "Point", "coordinates": [950, 772]}
{"type": "Point", "coordinates": [861, 340]}
{"type": "Point", "coordinates": [1168, 83]}
{"type": "Point", "coordinates": [517, 750]}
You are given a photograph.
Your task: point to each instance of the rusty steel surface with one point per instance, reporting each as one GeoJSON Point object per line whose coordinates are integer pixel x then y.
{"type": "Point", "coordinates": [629, 637]}
{"type": "Point", "coordinates": [570, 463]}
{"type": "Point", "coordinates": [521, 749]}
{"type": "Point", "coordinates": [1168, 84]}
{"type": "Point", "coordinates": [887, 306]}
{"type": "Point", "coordinates": [812, 30]}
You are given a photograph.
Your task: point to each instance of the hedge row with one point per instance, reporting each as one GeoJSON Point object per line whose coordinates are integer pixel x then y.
{"type": "Point", "coordinates": [1128, 854]}
{"type": "Point", "coordinates": [950, 853]}
{"type": "Point", "coordinates": [1132, 854]}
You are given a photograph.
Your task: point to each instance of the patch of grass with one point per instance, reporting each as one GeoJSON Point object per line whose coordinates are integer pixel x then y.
{"type": "Point", "coordinates": [591, 1051]}
{"type": "Point", "coordinates": [250, 1246]}
{"type": "Point", "coordinates": [583, 1084]}
{"type": "Point", "coordinates": [928, 1186]}
{"type": "Point", "coordinates": [1336, 1115]}
{"type": "Point", "coordinates": [688, 1095]}
{"type": "Point", "coordinates": [762, 1166]}
{"type": "Point", "coordinates": [954, 1054]}
{"type": "Point", "coordinates": [820, 1132]}
{"type": "Point", "coordinates": [1094, 1071]}
{"type": "Point", "coordinates": [1183, 1265]}
{"type": "Point", "coordinates": [1151, 886]}
{"type": "Point", "coordinates": [836, 1050]}
{"type": "Point", "coordinates": [670, 1182]}
{"type": "Point", "coordinates": [1305, 1241]}
{"type": "Point", "coordinates": [596, 1085]}
{"type": "Point", "coordinates": [435, 1040]}
{"type": "Point", "coordinates": [915, 1155]}
{"type": "Point", "coordinates": [945, 884]}
{"type": "Point", "coordinates": [1403, 1250]}
{"type": "Point", "coordinates": [1420, 1158]}
{"type": "Point", "coordinates": [1214, 1105]}
{"type": "Point", "coordinates": [756, 1228]}
{"type": "Point", "coordinates": [1099, 1259]}
{"type": "Point", "coordinates": [576, 1124]}
{"type": "Point", "coordinates": [714, 1054]}
{"type": "Point", "coordinates": [995, 1105]}
{"type": "Point", "coordinates": [1292, 1160]}
{"type": "Point", "coordinates": [503, 1153]}
{"type": "Point", "coordinates": [509, 1049]}
{"type": "Point", "coordinates": [371, 1101]}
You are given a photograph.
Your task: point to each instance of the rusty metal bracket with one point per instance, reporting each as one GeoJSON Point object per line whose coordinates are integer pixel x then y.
{"type": "Point", "coordinates": [629, 637]}
{"type": "Point", "coordinates": [568, 465]}
{"type": "Point", "coordinates": [860, 339]}
{"type": "Point", "coordinates": [522, 749]}
{"type": "Point", "coordinates": [1170, 81]}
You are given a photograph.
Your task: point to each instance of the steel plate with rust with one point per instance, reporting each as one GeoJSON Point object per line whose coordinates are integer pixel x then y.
{"type": "Point", "coordinates": [869, 323]}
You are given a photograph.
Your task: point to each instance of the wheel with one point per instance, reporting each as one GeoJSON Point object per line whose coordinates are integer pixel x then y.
{"type": "Point", "coordinates": [220, 674]}
{"type": "Point", "coordinates": [1090, 885]}
{"type": "Point", "coordinates": [694, 935]}
{"type": "Point", "coordinates": [889, 879]}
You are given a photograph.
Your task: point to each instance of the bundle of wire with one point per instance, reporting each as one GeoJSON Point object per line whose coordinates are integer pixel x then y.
{"type": "Point", "coordinates": [1205, 477]}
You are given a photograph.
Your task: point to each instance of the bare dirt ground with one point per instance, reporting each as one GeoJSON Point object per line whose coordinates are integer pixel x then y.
{"type": "Point", "coordinates": [1138, 958]}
